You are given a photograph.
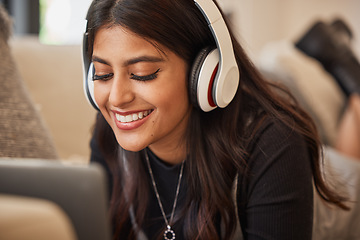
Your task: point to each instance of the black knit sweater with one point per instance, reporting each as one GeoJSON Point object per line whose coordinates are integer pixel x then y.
{"type": "Point", "coordinates": [275, 200]}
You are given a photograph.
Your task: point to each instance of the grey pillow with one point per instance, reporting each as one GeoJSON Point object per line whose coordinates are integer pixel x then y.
{"type": "Point", "coordinates": [23, 133]}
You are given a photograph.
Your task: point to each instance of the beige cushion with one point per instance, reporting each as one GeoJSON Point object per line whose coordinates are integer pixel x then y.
{"type": "Point", "coordinates": [33, 219]}
{"type": "Point", "coordinates": [23, 134]}
{"type": "Point", "coordinates": [330, 223]}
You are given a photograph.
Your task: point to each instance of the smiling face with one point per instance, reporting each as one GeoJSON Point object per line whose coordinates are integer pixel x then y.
{"type": "Point", "coordinates": [142, 92]}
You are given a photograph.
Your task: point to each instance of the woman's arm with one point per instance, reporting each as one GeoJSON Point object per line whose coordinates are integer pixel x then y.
{"type": "Point", "coordinates": [348, 136]}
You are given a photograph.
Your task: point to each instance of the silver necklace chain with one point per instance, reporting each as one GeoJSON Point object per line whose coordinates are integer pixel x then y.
{"type": "Point", "coordinates": [168, 232]}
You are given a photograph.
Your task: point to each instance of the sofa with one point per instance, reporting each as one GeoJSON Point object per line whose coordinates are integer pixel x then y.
{"type": "Point", "coordinates": [42, 107]}
{"type": "Point", "coordinates": [53, 77]}
{"type": "Point", "coordinates": [24, 134]}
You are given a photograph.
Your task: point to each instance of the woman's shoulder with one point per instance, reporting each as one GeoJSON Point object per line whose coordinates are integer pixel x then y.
{"type": "Point", "coordinates": [277, 147]}
{"type": "Point", "coordinates": [272, 134]}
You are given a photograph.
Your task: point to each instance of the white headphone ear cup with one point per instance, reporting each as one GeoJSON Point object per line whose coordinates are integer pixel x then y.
{"type": "Point", "coordinates": [194, 75]}
{"type": "Point", "coordinates": [203, 76]}
{"type": "Point", "coordinates": [89, 86]}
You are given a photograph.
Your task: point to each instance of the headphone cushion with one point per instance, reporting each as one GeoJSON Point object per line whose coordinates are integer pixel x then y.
{"type": "Point", "coordinates": [194, 74]}
{"type": "Point", "coordinates": [89, 86]}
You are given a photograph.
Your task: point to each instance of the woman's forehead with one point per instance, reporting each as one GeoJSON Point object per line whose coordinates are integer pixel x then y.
{"type": "Point", "coordinates": [118, 38]}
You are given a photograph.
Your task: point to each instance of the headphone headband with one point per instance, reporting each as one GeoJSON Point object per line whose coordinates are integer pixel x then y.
{"type": "Point", "coordinates": [227, 78]}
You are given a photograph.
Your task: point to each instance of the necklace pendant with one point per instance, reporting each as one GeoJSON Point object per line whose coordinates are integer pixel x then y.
{"type": "Point", "coordinates": [169, 234]}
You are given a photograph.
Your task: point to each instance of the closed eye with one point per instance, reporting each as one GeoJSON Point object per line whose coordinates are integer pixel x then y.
{"type": "Point", "coordinates": [104, 77]}
{"type": "Point", "coordinates": [145, 78]}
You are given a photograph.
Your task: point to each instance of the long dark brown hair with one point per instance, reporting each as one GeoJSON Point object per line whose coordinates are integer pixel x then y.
{"type": "Point", "coordinates": [217, 140]}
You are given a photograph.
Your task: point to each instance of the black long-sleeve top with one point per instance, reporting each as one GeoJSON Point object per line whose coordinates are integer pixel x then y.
{"type": "Point", "coordinates": [275, 200]}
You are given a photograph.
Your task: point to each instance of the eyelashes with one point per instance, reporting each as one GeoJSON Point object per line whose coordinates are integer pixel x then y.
{"type": "Point", "coordinates": [145, 78]}
{"type": "Point", "coordinates": [103, 77]}
{"type": "Point", "coordinates": [106, 77]}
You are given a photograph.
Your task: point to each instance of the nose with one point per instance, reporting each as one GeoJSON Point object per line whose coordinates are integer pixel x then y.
{"type": "Point", "coordinates": [121, 92]}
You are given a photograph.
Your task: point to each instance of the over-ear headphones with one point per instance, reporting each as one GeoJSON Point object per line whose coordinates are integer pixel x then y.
{"type": "Point", "coordinates": [214, 77]}
{"type": "Point", "coordinates": [89, 72]}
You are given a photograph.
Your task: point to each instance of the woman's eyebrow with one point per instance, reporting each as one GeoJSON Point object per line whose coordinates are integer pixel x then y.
{"type": "Point", "coordinates": [100, 60]}
{"type": "Point", "coordinates": [143, 59]}
{"type": "Point", "coordinates": [131, 61]}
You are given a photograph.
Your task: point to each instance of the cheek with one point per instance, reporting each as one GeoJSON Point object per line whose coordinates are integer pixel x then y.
{"type": "Point", "coordinates": [181, 93]}
{"type": "Point", "coordinates": [101, 93]}
{"type": "Point", "coordinates": [175, 99]}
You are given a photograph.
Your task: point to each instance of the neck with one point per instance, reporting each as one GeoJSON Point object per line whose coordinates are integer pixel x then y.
{"type": "Point", "coordinates": [171, 156]}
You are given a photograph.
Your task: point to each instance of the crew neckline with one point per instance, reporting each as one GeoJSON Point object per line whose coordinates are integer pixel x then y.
{"type": "Point", "coordinates": [155, 159]}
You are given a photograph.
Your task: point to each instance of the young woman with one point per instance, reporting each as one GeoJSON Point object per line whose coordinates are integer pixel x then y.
{"type": "Point", "coordinates": [177, 171]}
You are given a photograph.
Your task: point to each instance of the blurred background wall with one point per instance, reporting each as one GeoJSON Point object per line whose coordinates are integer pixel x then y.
{"type": "Point", "coordinates": [257, 21]}
{"type": "Point", "coordinates": [262, 21]}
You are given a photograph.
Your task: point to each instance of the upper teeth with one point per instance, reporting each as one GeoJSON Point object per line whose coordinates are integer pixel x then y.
{"type": "Point", "coordinates": [132, 117]}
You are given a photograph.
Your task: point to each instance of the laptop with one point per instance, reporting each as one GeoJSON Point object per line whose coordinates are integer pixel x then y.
{"type": "Point", "coordinates": [80, 190]}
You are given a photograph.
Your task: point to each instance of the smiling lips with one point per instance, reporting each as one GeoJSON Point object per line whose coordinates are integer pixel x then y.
{"type": "Point", "coordinates": [132, 117]}
{"type": "Point", "coordinates": [131, 121]}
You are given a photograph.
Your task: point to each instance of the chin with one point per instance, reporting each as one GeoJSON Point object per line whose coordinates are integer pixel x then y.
{"type": "Point", "coordinates": [131, 147]}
